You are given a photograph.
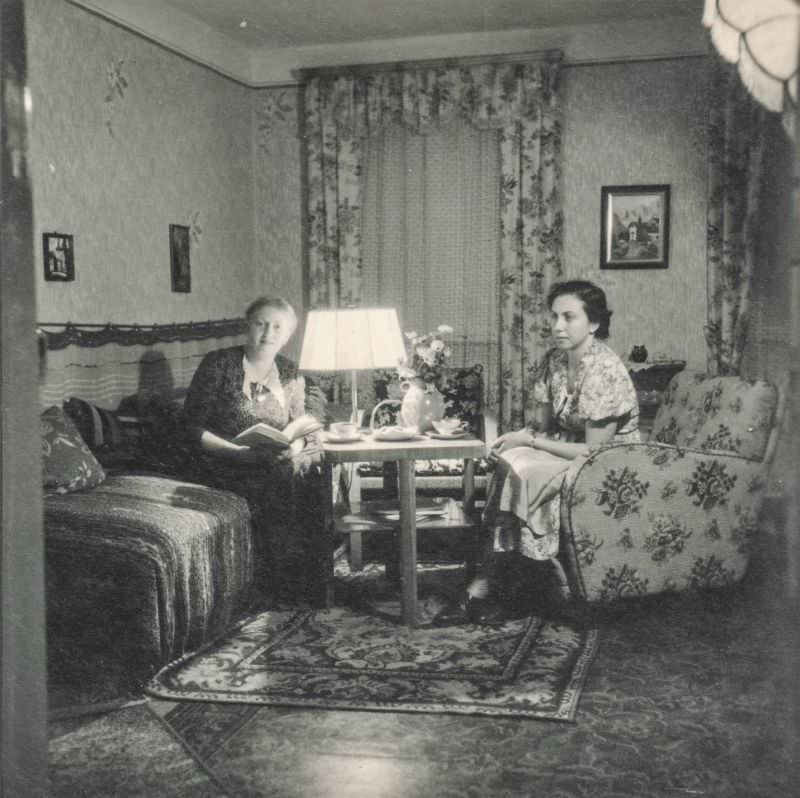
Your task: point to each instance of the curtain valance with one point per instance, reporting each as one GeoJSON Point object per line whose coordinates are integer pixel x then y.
{"type": "Point", "coordinates": [487, 95]}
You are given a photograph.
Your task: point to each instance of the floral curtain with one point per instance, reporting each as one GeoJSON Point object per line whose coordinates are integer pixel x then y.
{"type": "Point", "coordinates": [520, 100]}
{"type": "Point", "coordinates": [531, 246]}
{"type": "Point", "coordinates": [736, 139]}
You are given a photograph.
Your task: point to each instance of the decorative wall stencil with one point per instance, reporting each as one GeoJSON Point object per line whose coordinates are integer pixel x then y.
{"type": "Point", "coordinates": [63, 334]}
{"type": "Point", "coordinates": [634, 227]}
{"type": "Point", "coordinates": [59, 264]}
{"type": "Point", "coordinates": [194, 227]}
{"type": "Point", "coordinates": [116, 88]}
{"type": "Point", "coordinates": [276, 108]}
{"type": "Point", "coordinates": [180, 264]}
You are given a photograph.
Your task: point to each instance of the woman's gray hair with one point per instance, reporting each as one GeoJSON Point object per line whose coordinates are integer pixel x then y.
{"type": "Point", "coordinates": [277, 302]}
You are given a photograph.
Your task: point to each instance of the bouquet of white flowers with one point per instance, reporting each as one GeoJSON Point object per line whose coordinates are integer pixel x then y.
{"type": "Point", "coordinates": [429, 353]}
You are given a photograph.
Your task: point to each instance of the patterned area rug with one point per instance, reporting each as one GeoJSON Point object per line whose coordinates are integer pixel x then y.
{"type": "Point", "coordinates": [345, 659]}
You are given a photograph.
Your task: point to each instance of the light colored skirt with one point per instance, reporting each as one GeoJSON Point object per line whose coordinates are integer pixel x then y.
{"type": "Point", "coordinates": [523, 502]}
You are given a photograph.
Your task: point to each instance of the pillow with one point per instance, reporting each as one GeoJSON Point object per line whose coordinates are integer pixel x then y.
{"type": "Point", "coordinates": [67, 463]}
{"type": "Point", "coordinates": [100, 428]}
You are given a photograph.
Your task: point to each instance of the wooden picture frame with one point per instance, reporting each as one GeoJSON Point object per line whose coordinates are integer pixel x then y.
{"type": "Point", "coordinates": [634, 227]}
{"type": "Point", "coordinates": [59, 259]}
{"type": "Point", "coordinates": [179, 258]}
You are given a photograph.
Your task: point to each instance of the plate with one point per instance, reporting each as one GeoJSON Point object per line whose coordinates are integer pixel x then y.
{"type": "Point", "coordinates": [447, 436]}
{"type": "Point", "coordinates": [394, 435]}
{"type": "Point", "coordinates": [331, 438]}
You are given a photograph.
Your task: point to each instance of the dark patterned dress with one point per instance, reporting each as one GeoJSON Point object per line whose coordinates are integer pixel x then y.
{"type": "Point", "coordinates": [285, 496]}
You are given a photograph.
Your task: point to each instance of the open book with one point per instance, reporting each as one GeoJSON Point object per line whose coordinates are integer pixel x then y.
{"type": "Point", "coordinates": [262, 434]}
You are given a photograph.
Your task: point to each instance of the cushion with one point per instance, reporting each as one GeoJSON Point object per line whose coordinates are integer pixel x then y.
{"type": "Point", "coordinates": [730, 414]}
{"type": "Point", "coordinates": [99, 427]}
{"type": "Point", "coordinates": [67, 463]}
{"type": "Point", "coordinates": [164, 447]}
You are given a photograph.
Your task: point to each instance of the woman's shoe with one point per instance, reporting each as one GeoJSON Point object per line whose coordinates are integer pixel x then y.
{"type": "Point", "coordinates": [453, 614]}
{"type": "Point", "coordinates": [483, 611]}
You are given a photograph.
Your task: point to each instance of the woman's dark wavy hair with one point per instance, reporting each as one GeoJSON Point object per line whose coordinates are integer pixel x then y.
{"type": "Point", "coordinates": [594, 302]}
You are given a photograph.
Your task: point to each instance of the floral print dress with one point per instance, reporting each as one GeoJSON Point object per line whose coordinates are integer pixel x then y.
{"type": "Point", "coordinates": [523, 500]}
{"type": "Point", "coordinates": [285, 496]}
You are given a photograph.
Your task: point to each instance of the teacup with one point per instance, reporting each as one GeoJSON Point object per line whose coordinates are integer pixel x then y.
{"type": "Point", "coordinates": [344, 429]}
{"type": "Point", "coordinates": [449, 426]}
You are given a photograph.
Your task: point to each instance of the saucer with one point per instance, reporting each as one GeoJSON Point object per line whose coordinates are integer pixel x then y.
{"type": "Point", "coordinates": [447, 436]}
{"type": "Point", "coordinates": [331, 438]}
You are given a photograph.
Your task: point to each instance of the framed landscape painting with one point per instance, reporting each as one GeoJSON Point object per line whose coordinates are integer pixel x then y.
{"type": "Point", "coordinates": [634, 227]}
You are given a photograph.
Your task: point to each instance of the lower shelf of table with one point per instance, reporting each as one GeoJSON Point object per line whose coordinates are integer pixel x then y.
{"type": "Point", "coordinates": [447, 537]}
{"type": "Point", "coordinates": [384, 515]}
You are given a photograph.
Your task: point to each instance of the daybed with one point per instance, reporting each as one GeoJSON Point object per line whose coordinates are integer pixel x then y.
{"type": "Point", "coordinates": [140, 567]}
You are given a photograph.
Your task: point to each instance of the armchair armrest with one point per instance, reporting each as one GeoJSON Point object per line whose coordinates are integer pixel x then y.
{"type": "Point", "coordinates": [646, 518]}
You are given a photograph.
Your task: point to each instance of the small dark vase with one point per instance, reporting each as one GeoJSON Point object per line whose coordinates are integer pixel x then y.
{"type": "Point", "coordinates": [638, 354]}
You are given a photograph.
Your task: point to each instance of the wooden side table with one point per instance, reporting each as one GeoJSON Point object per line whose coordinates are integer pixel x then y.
{"type": "Point", "coordinates": [650, 380]}
{"type": "Point", "coordinates": [404, 454]}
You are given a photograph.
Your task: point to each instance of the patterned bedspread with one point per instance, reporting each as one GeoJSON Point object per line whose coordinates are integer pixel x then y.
{"type": "Point", "coordinates": [145, 567]}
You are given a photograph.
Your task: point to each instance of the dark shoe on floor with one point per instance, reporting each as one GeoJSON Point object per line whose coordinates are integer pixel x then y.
{"type": "Point", "coordinates": [452, 614]}
{"type": "Point", "coordinates": [484, 611]}
{"type": "Point", "coordinates": [469, 609]}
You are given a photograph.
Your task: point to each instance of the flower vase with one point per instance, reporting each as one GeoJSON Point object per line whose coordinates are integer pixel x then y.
{"type": "Point", "coordinates": [422, 405]}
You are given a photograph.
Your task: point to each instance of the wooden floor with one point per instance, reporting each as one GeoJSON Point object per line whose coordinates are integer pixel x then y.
{"type": "Point", "coordinates": [687, 696]}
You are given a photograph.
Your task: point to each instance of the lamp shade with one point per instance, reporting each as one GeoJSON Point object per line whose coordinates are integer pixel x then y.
{"type": "Point", "coordinates": [761, 37]}
{"type": "Point", "coordinates": [352, 339]}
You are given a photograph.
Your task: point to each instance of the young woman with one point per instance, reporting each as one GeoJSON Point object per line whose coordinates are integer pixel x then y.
{"type": "Point", "coordinates": [233, 389]}
{"type": "Point", "coordinates": [584, 398]}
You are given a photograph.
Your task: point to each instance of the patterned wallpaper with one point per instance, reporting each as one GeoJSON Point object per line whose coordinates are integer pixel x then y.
{"type": "Point", "coordinates": [640, 124]}
{"type": "Point", "coordinates": [127, 138]}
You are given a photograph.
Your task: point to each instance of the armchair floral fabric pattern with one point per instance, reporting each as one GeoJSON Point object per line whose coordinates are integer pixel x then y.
{"type": "Point", "coordinates": [676, 513]}
{"type": "Point", "coordinates": [716, 413]}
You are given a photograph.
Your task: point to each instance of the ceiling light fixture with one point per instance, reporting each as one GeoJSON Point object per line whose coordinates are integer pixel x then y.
{"type": "Point", "coordinates": [762, 38]}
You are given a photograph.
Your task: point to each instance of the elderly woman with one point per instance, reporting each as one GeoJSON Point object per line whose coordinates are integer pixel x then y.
{"type": "Point", "coordinates": [584, 398]}
{"type": "Point", "coordinates": [234, 388]}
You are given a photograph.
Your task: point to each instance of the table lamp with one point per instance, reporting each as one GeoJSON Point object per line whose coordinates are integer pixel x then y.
{"type": "Point", "coordinates": [352, 339]}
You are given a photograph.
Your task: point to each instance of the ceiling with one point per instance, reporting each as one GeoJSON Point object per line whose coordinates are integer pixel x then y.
{"type": "Point", "coordinates": [282, 23]}
{"type": "Point", "coordinates": [265, 42]}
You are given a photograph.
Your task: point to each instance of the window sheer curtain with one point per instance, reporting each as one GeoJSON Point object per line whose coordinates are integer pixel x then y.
{"type": "Point", "coordinates": [430, 235]}
{"type": "Point", "coordinates": [518, 101]}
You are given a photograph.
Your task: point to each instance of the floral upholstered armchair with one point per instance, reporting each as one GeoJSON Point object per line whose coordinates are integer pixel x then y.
{"type": "Point", "coordinates": [675, 513]}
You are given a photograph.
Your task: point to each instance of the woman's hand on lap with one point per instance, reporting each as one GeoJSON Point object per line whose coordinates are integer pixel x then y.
{"type": "Point", "coordinates": [509, 440]}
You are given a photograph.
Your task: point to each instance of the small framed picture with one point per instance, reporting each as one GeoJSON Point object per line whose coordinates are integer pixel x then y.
{"type": "Point", "coordinates": [180, 264]}
{"type": "Point", "coordinates": [59, 263]}
{"type": "Point", "coordinates": [634, 227]}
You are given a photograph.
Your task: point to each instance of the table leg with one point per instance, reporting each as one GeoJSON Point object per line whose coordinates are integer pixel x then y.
{"type": "Point", "coordinates": [408, 543]}
{"type": "Point", "coordinates": [355, 554]}
{"type": "Point", "coordinates": [324, 547]}
{"type": "Point", "coordinates": [468, 485]}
